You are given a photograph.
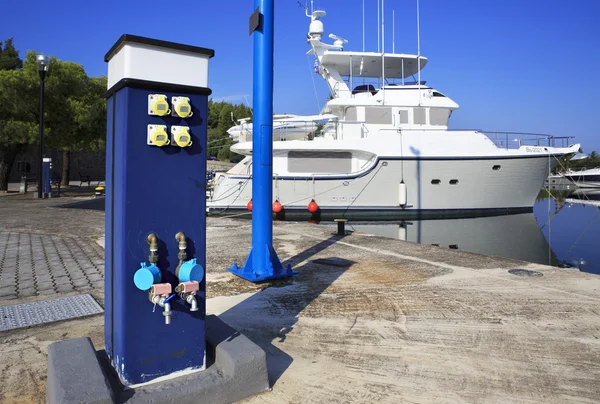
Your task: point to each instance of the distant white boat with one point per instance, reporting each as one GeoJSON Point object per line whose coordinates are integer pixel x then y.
{"type": "Point", "coordinates": [285, 127]}
{"type": "Point", "coordinates": [585, 178]}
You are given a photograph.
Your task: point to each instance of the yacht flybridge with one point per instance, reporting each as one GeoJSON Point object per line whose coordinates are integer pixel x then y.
{"type": "Point", "coordinates": [385, 149]}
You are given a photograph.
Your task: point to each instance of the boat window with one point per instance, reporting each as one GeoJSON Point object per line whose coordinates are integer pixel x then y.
{"type": "Point", "coordinates": [403, 116]}
{"type": "Point", "coordinates": [364, 89]}
{"type": "Point", "coordinates": [453, 182]}
{"type": "Point", "coordinates": [381, 115]}
{"type": "Point", "coordinates": [436, 94]}
{"type": "Point", "coordinates": [350, 114]}
{"type": "Point", "coordinates": [439, 116]}
{"type": "Point", "coordinates": [419, 116]}
{"type": "Point", "coordinates": [435, 182]}
{"type": "Point", "coordinates": [496, 167]}
{"type": "Point", "coordinates": [322, 162]}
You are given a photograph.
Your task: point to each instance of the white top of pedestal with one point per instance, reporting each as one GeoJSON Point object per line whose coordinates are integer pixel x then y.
{"type": "Point", "coordinates": [148, 59]}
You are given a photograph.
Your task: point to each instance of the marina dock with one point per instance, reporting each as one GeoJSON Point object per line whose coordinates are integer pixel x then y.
{"type": "Point", "coordinates": [367, 319]}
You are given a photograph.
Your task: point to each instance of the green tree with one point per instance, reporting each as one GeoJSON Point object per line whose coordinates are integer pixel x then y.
{"type": "Point", "coordinates": [565, 163]}
{"type": "Point", "coordinates": [219, 121]}
{"type": "Point", "coordinates": [18, 109]}
{"type": "Point", "coordinates": [75, 112]}
{"type": "Point", "coordinates": [9, 56]}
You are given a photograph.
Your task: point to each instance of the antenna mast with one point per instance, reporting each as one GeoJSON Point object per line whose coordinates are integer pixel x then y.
{"type": "Point", "coordinates": [382, 27]}
{"type": "Point", "coordinates": [383, 49]}
{"type": "Point", "coordinates": [378, 27]}
{"type": "Point", "coordinates": [419, 52]}
{"type": "Point", "coordinates": [363, 21]}
{"type": "Point", "coordinates": [393, 31]}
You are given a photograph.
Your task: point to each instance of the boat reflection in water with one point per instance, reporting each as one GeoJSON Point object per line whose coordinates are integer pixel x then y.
{"type": "Point", "coordinates": [574, 227]}
{"type": "Point", "coordinates": [590, 197]}
{"type": "Point", "coordinates": [512, 236]}
{"type": "Point", "coordinates": [562, 231]}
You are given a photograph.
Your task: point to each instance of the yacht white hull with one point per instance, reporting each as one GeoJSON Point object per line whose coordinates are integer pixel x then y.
{"type": "Point", "coordinates": [436, 186]}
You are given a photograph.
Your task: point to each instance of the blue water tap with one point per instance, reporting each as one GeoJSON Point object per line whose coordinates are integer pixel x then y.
{"type": "Point", "coordinates": [146, 276]}
{"type": "Point", "coordinates": [191, 271]}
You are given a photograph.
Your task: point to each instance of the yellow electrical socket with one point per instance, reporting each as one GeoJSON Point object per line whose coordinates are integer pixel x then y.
{"type": "Point", "coordinates": [180, 136]}
{"type": "Point", "coordinates": [158, 136]}
{"type": "Point", "coordinates": [158, 105]}
{"type": "Point", "coordinates": [181, 107]}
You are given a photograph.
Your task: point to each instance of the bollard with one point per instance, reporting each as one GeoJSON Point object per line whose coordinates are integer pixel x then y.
{"type": "Point", "coordinates": [341, 226]}
{"type": "Point", "coordinates": [23, 185]}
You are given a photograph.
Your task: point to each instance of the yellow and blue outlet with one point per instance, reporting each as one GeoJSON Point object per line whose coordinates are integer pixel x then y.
{"type": "Point", "coordinates": [157, 134]}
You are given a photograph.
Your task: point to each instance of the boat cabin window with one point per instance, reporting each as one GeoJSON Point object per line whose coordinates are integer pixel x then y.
{"type": "Point", "coordinates": [439, 116]}
{"type": "Point", "coordinates": [378, 115]}
{"type": "Point", "coordinates": [437, 94]}
{"type": "Point", "coordinates": [319, 162]}
{"type": "Point", "coordinates": [419, 116]}
{"type": "Point", "coordinates": [403, 116]}
{"type": "Point", "coordinates": [350, 114]}
{"type": "Point", "coordinates": [364, 88]}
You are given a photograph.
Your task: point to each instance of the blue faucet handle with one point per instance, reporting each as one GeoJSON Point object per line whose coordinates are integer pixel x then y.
{"type": "Point", "coordinates": [170, 297]}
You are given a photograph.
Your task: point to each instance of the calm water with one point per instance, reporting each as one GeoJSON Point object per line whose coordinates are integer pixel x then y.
{"type": "Point", "coordinates": [570, 238]}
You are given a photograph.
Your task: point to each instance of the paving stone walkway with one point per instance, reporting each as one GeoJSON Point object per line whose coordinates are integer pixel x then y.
{"type": "Point", "coordinates": [40, 264]}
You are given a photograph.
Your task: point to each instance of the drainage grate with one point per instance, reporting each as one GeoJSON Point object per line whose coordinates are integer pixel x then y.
{"type": "Point", "coordinates": [524, 272]}
{"type": "Point", "coordinates": [47, 311]}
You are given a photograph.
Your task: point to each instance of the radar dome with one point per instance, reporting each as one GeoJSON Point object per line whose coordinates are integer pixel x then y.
{"type": "Point", "coordinates": [316, 28]}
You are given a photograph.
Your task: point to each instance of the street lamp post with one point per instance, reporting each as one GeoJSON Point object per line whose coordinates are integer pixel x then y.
{"type": "Point", "coordinates": [43, 62]}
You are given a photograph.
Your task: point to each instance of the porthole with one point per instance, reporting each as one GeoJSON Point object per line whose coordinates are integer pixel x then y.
{"type": "Point", "coordinates": [453, 182]}
{"type": "Point", "coordinates": [496, 167]}
{"type": "Point", "coordinates": [435, 182]}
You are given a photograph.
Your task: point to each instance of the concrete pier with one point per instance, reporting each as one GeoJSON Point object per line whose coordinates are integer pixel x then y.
{"type": "Point", "coordinates": [367, 320]}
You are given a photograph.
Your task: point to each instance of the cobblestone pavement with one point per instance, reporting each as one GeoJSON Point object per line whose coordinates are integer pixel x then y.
{"type": "Point", "coordinates": [47, 249]}
{"type": "Point", "coordinates": [36, 264]}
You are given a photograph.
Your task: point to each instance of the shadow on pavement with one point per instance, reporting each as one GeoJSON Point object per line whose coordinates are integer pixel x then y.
{"type": "Point", "coordinates": [92, 204]}
{"type": "Point", "coordinates": [272, 313]}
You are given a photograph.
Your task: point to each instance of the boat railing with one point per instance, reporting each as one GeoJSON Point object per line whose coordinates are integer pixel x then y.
{"type": "Point", "coordinates": [514, 140]}
{"type": "Point", "coordinates": [339, 91]}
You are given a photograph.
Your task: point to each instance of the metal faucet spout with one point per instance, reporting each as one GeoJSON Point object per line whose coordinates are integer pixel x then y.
{"type": "Point", "coordinates": [192, 300]}
{"type": "Point", "coordinates": [167, 312]}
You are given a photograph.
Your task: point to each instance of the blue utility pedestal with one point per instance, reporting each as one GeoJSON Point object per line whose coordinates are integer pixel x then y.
{"type": "Point", "coordinates": [156, 332]}
{"type": "Point", "coordinates": [155, 191]}
{"type": "Point", "coordinates": [46, 169]}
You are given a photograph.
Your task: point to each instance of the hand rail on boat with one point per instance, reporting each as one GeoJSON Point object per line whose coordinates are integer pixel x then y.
{"type": "Point", "coordinates": [514, 140]}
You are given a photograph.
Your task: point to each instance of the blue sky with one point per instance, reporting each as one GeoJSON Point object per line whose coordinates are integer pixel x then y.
{"type": "Point", "coordinates": [511, 65]}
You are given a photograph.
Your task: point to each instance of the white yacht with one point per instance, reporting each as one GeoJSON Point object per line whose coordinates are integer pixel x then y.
{"type": "Point", "coordinates": [386, 151]}
{"type": "Point", "coordinates": [585, 178]}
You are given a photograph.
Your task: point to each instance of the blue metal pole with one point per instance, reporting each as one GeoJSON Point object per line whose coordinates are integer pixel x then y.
{"type": "Point", "coordinates": [262, 263]}
{"type": "Point", "coordinates": [262, 139]}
